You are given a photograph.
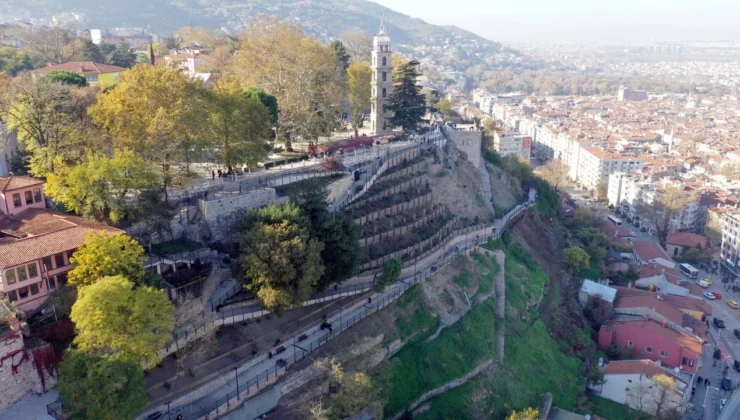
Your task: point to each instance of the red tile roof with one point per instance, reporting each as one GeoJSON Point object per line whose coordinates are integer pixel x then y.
{"type": "Point", "coordinates": [686, 239]}
{"type": "Point", "coordinates": [14, 182]}
{"type": "Point", "coordinates": [631, 367]}
{"type": "Point", "coordinates": [38, 233]}
{"type": "Point", "coordinates": [649, 250]}
{"type": "Point", "coordinates": [82, 67]}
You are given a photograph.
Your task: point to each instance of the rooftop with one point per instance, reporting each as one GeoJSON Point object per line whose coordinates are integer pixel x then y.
{"type": "Point", "coordinates": [634, 367]}
{"type": "Point", "coordinates": [686, 239]}
{"type": "Point", "coordinates": [648, 250]}
{"type": "Point", "coordinates": [15, 182]}
{"type": "Point", "coordinates": [83, 67]}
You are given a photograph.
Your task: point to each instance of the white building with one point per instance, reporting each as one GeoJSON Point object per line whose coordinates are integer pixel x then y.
{"type": "Point", "coordinates": [382, 82]}
{"type": "Point", "coordinates": [730, 245]}
{"type": "Point", "coordinates": [594, 165]}
{"type": "Point", "coordinates": [135, 37]}
{"type": "Point", "coordinates": [630, 382]}
{"type": "Point", "coordinates": [513, 143]}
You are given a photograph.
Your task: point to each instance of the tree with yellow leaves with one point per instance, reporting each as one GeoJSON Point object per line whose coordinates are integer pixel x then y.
{"type": "Point", "coordinates": [301, 73]}
{"type": "Point", "coordinates": [358, 78]}
{"type": "Point", "coordinates": [155, 112]}
{"type": "Point", "coordinates": [106, 254]}
{"type": "Point", "coordinates": [526, 414]}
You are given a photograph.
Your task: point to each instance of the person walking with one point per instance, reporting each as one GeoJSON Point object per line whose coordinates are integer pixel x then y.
{"type": "Point", "coordinates": [213, 174]}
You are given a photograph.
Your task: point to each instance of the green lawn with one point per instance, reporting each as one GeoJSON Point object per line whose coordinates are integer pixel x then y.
{"type": "Point", "coordinates": [611, 410]}
{"type": "Point", "coordinates": [534, 365]}
{"type": "Point", "coordinates": [421, 322]}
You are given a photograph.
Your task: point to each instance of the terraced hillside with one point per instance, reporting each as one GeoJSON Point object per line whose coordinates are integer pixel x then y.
{"type": "Point", "coordinates": [412, 207]}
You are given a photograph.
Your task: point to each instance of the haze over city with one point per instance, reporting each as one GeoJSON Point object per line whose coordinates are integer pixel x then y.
{"type": "Point", "coordinates": [582, 20]}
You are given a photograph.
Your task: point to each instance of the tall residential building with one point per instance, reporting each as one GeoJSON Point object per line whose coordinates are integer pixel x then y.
{"type": "Point", "coordinates": [382, 82]}
{"type": "Point", "coordinates": [595, 165]}
{"type": "Point", "coordinates": [512, 143]}
{"type": "Point", "coordinates": [730, 245]}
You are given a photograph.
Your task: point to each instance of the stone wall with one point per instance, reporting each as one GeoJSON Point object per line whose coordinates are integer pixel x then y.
{"type": "Point", "coordinates": [18, 372]}
{"type": "Point", "coordinates": [223, 215]}
{"type": "Point", "coordinates": [468, 142]}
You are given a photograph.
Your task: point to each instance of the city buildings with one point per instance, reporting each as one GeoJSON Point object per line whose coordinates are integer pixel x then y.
{"type": "Point", "coordinates": [730, 248]}
{"type": "Point", "coordinates": [134, 37]}
{"type": "Point", "coordinates": [627, 94]}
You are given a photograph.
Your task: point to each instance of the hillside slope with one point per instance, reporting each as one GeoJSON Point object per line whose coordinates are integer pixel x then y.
{"type": "Point", "coordinates": [324, 19]}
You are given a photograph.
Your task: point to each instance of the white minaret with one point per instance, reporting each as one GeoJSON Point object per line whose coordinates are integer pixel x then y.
{"type": "Point", "coordinates": [382, 81]}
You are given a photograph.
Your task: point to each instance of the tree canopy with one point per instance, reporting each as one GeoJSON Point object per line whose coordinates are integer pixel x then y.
{"type": "Point", "coordinates": [359, 77]}
{"type": "Point", "coordinates": [300, 72]}
{"type": "Point", "coordinates": [270, 102]}
{"type": "Point", "coordinates": [97, 187]}
{"type": "Point", "coordinates": [114, 318]}
{"type": "Point", "coordinates": [575, 258]}
{"type": "Point", "coordinates": [104, 254]}
{"type": "Point", "coordinates": [95, 387]}
{"type": "Point", "coordinates": [281, 263]}
{"type": "Point", "coordinates": [66, 77]}
{"type": "Point", "coordinates": [407, 102]}
{"type": "Point", "coordinates": [239, 125]}
{"type": "Point", "coordinates": [391, 272]}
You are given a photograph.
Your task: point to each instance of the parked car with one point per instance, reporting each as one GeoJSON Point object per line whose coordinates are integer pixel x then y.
{"type": "Point", "coordinates": [733, 304]}
{"type": "Point", "coordinates": [681, 282]}
{"type": "Point", "coordinates": [708, 281]}
{"type": "Point", "coordinates": [736, 332]}
{"type": "Point", "coordinates": [717, 295]}
{"type": "Point", "coordinates": [727, 384]}
{"type": "Point", "coordinates": [710, 296]}
{"type": "Point", "coordinates": [719, 323]}
{"type": "Point", "coordinates": [702, 284]}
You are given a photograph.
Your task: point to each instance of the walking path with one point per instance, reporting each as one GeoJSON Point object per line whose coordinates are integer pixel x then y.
{"type": "Point", "coordinates": [220, 395]}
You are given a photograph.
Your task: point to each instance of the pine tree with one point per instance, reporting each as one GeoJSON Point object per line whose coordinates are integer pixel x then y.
{"type": "Point", "coordinates": [407, 102]}
{"type": "Point", "coordinates": [91, 52]}
{"type": "Point", "coordinates": [122, 56]}
{"type": "Point", "coordinates": [150, 54]}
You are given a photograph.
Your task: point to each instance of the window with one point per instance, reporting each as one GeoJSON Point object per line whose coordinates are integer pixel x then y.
{"type": "Point", "coordinates": [91, 77]}
{"type": "Point", "coordinates": [663, 354]}
{"type": "Point", "coordinates": [32, 270]}
{"type": "Point", "coordinates": [10, 276]}
{"type": "Point", "coordinates": [384, 76]}
{"type": "Point", "coordinates": [384, 62]}
{"type": "Point", "coordinates": [46, 264]}
{"type": "Point", "coordinates": [649, 349]}
{"type": "Point", "coordinates": [29, 197]}
{"type": "Point", "coordinates": [629, 380]}
{"type": "Point", "coordinates": [629, 344]}
{"type": "Point", "coordinates": [52, 284]}
{"type": "Point", "coordinates": [61, 279]}
{"type": "Point", "coordinates": [37, 195]}
{"type": "Point", "coordinates": [34, 289]}
{"type": "Point", "coordinates": [59, 260]}
{"type": "Point", "coordinates": [23, 293]}
{"type": "Point", "coordinates": [691, 362]}
{"type": "Point", "coordinates": [17, 200]}
{"type": "Point", "coordinates": [384, 92]}
{"type": "Point", "coordinates": [12, 296]}
{"type": "Point", "coordinates": [22, 275]}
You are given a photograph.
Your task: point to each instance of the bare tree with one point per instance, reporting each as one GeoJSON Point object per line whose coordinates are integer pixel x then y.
{"type": "Point", "coordinates": [480, 405]}
{"type": "Point", "coordinates": [358, 46]}
{"type": "Point", "coordinates": [555, 172]}
{"type": "Point", "coordinates": [317, 411]}
{"type": "Point", "coordinates": [56, 44]}
{"type": "Point", "coordinates": [637, 396]}
{"type": "Point", "coordinates": [667, 204]}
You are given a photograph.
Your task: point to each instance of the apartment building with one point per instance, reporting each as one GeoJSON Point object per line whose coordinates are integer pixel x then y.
{"type": "Point", "coordinates": [730, 245]}
{"type": "Point", "coordinates": [594, 165]}
{"type": "Point", "coordinates": [512, 143]}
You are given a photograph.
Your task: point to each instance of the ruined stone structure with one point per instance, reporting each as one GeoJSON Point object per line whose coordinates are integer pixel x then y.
{"type": "Point", "coordinates": [468, 142]}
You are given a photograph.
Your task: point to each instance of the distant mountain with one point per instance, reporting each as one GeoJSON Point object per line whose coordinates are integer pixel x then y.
{"type": "Point", "coordinates": [324, 19]}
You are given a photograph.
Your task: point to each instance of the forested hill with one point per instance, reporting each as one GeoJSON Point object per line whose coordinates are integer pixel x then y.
{"type": "Point", "coordinates": [324, 19]}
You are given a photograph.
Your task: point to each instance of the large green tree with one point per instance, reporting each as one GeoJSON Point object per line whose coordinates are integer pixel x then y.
{"type": "Point", "coordinates": [270, 102]}
{"type": "Point", "coordinates": [342, 253]}
{"type": "Point", "coordinates": [340, 53]}
{"type": "Point", "coordinates": [122, 56]}
{"type": "Point", "coordinates": [114, 318]}
{"type": "Point", "coordinates": [575, 258]}
{"type": "Point", "coordinates": [358, 82]}
{"type": "Point", "coordinates": [239, 125]}
{"type": "Point", "coordinates": [13, 61]}
{"type": "Point", "coordinates": [281, 262]}
{"type": "Point", "coordinates": [106, 254]}
{"type": "Point", "coordinates": [407, 102]}
{"type": "Point", "coordinates": [91, 52]}
{"type": "Point", "coordinates": [100, 187]}
{"type": "Point", "coordinates": [95, 387]}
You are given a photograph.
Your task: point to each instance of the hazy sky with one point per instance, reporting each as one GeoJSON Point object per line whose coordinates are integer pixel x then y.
{"type": "Point", "coordinates": [581, 20]}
